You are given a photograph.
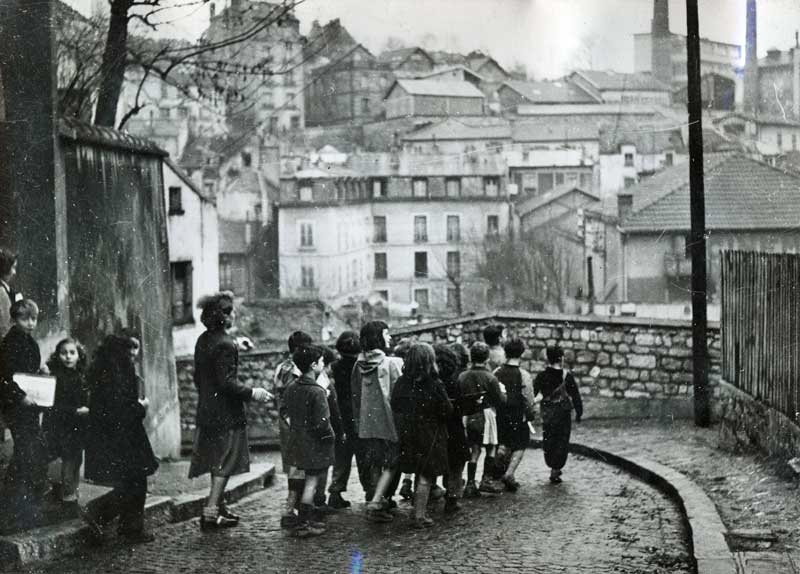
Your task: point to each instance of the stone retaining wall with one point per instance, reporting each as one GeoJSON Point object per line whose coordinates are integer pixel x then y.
{"type": "Point", "coordinates": [748, 424]}
{"type": "Point", "coordinates": [625, 367]}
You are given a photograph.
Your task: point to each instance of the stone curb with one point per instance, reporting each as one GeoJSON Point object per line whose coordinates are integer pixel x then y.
{"type": "Point", "coordinates": [709, 548]}
{"type": "Point", "coordinates": [69, 537]}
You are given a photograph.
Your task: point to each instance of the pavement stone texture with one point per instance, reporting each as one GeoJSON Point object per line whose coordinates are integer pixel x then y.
{"type": "Point", "coordinates": [601, 519]}
{"type": "Point", "coordinates": [750, 491]}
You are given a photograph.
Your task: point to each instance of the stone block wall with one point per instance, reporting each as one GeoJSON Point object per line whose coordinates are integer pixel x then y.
{"type": "Point", "coordinates": [624, 366]}
{"type": "Point", "coordinates": [255, 370]}
{"type": "Point", "coordinates": [748, 424]}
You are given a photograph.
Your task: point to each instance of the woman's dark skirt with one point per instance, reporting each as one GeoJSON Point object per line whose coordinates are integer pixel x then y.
{"type": "Point", "coordinates": [222, 453]}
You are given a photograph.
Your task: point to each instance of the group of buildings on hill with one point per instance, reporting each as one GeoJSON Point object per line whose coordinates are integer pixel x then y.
{"type": "Point", "coordinates": [381, 183]}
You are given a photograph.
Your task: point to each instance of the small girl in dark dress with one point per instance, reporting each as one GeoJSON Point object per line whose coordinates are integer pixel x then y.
{"type": "Point", "coordinates": [65, 424]}
{"type": "Point", "coordinates": [421, 409]}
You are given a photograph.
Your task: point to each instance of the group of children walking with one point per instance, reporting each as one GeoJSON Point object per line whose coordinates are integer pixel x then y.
{"type": "Point", "coordinates": [421, 410]}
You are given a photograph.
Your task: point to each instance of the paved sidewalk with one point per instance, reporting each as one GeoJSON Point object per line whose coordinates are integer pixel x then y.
{"type": "Point", "coordinates": [757, 498]}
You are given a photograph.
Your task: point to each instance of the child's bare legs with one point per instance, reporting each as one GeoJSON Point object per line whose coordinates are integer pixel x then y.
{"type": "Point", "coordinates": [70, 478]}
{"type": "Point", "coordinates": [312, 480]}
{"type": "Point", "coordinates": [384, 480]}
{"type": "Point", "coordinates": [218, 484]}
{"type": "Point", "coordinates": [516, 458]}
{"type": "Point", "coordinates": [421, 501]}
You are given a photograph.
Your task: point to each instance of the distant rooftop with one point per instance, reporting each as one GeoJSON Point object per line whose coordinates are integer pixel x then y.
{"type": "Point", "coordinates": [455, 89]}
{"type": "Point", "coordinates": [561, 92]}
{"type": "Point", "coordinates": [609, 80]}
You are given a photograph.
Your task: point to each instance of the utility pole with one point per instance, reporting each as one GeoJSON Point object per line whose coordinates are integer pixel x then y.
{"type": "Point", "coordinates": [702, 406]}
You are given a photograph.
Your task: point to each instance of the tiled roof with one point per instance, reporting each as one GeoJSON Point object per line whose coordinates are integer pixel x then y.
{"type": "Point", "coordinates": [454, 128]}
{"type": "Point", "coordinates": [438, 71]}
{"type": "Point", "coordinates": [740, 194]}
{"type": "Point", "coordinates": [532, 203]}
{"type": "Point", "coordinates": [560, 92]}
{"type": "Point", "coordinates": [610, 80]}
{"type": "Point", "coordinates": [71, 128]}
{"type": "Point", "coordinates": [449, 58]}
{"type": "Point", "coordinates": [399, 55]}
{"type": "Point", "coordinates": [456, 89]}
{"type": "Point", "coordinates": [552, 129]}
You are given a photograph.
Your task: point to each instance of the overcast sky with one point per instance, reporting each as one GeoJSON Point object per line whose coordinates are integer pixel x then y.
{"type": "Point", "coordinates": [548, 36]}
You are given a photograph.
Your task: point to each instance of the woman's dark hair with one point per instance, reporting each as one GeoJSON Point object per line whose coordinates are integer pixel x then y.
{"type": "Point", "coordinates": [215, 308]}
{"type": "Point", "coordinates": [298, 339]}
{"type": "Point", "coordinates": [447, 361]}
{"type": "Point", "coordinates": [420, 362]}
{"type": "Point", "coordinates": [348, 343]}
{"type": "Point", "coordinates": [463, 355]}
{"type": "Point", "coordinates": [554, 354]}
{"type": "Point", "coordinates": [305, 356]}
{"type": "Point", "coordinates": [492, 334]}
{"type": "Point", "coordinates": [54, 362]}
{"type": "Point", "coordinates": [514, 348]}
{"type": "Point", "coordinates": [112, 359]}
{"type": "Point", "coordinates": [7, 260]}
{"type": "Point", "coordinates": [372, 336]}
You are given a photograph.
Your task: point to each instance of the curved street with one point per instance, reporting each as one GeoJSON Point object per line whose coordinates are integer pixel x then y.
{"type": "Point", "coordinates": [599, 520]}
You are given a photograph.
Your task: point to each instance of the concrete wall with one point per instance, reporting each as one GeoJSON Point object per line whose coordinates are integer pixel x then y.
{"type": "Point", "coordinates": [118, 262]}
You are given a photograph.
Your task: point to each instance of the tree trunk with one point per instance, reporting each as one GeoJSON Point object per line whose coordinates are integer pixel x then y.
{"type": "Point", "coordinates": [113, 65]}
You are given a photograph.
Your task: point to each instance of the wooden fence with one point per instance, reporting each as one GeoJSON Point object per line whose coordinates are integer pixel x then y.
{"type": "Point", "coordinates": [761, 327]}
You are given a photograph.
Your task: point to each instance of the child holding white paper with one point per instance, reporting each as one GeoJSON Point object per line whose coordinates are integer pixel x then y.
{"type": "Point", "coordinates": [26, 478]}
{"type": "Point", "coordinates": [66, 423]}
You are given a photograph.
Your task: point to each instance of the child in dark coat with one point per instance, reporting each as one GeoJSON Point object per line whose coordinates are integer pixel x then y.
{"type": "Point", "coordinates": [26, 478]}
{"type": "Point", "coordinates": [311, 437]}
{"type": "Point", "coordinates": [65, 424]}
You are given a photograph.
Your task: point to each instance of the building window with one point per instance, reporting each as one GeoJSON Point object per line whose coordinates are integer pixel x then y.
{"type": "Point", "coordinates": [492, 225]}
{"type": "Point", "coordinates": [453, 228]}
{"type": "Point", "coordinates": [420, 186]}
{"type": "Point", "coordinates": [164, 90]}
{"type": "Point", "coordinates": [365, 106]}
{"type": "Point", "coordinates": [560, 178]}
{"type": "Point", "coordinates": [453, 298]}
{"type": "Point", "coordinates": [491, 186]}
{"type": "Point", "coordinates": [181, 292]}
{"type": "Point", "coordinates": [421, 299]}
{"type": "Point", "coordinates": [545, 182]}
{"type": "Point", "coordinates": [420, 265]}
{"type": "Point", "coordinates": [378, 188]}
{"type": "Point", "coordinates": [379, 229]}
{"type": "Point", "coordinates": [306, 234]}
{"type": "Point", "coordinates": [669, 159]}
{"type": "Point", "coordinates": [175, 201]}
{"type": "Point", "coordinates": [628, 160]}
{"type": "Point", "coordinates": [273, 125]}
{"type": "Point", "coordinates": [780, 140]}
{"type": "Point", "coordinates": [306, 192]}
{"type": "Point", "coordinates": [294, 122]}
{"type": "Point", "coordinates": [586, 181]}
{"type": "Point", "coordinates": [453, 186]}
{"type": "Point", "coordinates": [163, 113]}
{"type": "Point", "coordinates": [383, 294]}
{"type": "Point", "coordinates": [630, 182]}
{"type": "Point", "coordinates": [381, 272]}
{"type": "Point", "coordinates": [453, 264]}
{"type": "Point", "coordinates": [420, 228]}
{"type": "Point", "coordinates": [290, 103]}
{"type": "Point", "coordinates": [307, 277]}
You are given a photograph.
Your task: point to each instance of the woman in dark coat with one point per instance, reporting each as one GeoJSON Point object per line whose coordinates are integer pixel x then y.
{"type": "Point", "coordinates": [421, 409]}
{"type": "Point", "coordinates": [448, 361]}
{"type": "Point", "coordinates": [118, 452]}
{"type": "Point", "coordinates": [220, 445]}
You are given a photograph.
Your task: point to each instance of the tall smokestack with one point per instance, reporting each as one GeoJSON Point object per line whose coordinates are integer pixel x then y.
{"type": "Point", "coordinates": [751, 91]}
{"type": "Point", "coordinates": [661, 50]}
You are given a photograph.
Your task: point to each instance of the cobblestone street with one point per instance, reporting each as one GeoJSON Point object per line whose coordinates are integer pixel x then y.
{"type": "Point", "coordinates": [599, 520]}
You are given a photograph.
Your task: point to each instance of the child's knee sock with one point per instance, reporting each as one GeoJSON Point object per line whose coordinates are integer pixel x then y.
{"type": "Point", "coordinates": [296, 486]}
{"type": "Point", "coordinates": [472, 468]}
{"type": "Point", "coordinates": [488, 468]}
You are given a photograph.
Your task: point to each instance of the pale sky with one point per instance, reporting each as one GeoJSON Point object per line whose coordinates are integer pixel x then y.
{"type": "Point", "coordinates": [548, 36]}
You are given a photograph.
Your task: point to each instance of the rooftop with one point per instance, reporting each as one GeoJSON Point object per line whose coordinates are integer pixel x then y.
{"type": "Point", "coordinates": [548, 130]}
{"type": "Point", "coordinates": [71, 128]}
{"type": "Point", "coordinates": [740, 194]}
{"type": "Point", "coordinates": [605, 80]}
{"type": "Point", "coordinates": [561, 92]}
{"type": "Point", "coordinates": [463, 128]}
{"type": "Point", "coordinates": [454, 89]}
{"type": "Point", "coordinates": [649, 138]}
